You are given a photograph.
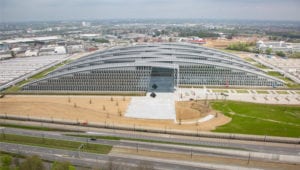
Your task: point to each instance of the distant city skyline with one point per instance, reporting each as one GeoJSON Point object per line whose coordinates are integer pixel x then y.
{"type": "Point", "coordinates": [51, 10]}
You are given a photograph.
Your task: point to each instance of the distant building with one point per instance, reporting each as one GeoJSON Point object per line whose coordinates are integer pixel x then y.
{"type": "Point", "coordinates": [85, 24]}
{"type": "Point", "coordinates": [31, 40]}
{"type": "Point", "coordinates": [278, 46]}
{"type": "Point", "coordinates": [30, 53]}
{"type": "Point", "coordinates": [197, 40]}
{"type": "Point", "coordinates": [75, 48]}
{"type": "Point", "coordinates": [52, 50]}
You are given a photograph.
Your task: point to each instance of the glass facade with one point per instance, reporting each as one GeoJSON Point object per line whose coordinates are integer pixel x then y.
{"type": "Point", "coordinates": [137, 68]}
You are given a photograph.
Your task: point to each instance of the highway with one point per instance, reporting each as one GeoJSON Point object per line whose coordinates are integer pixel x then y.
{"type": "Point", "coordinates": [254, 151]}
{"type": "Point", "coordinates": [90, 159]}
{"type": "Point", "coordinates": [256, 146]}
{"type": "Point", "coordinates": [269, 149]}
{"type": "Point", "coordinates": [119, 143]}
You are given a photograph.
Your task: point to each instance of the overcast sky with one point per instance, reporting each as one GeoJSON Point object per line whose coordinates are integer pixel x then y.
{"type": "Point", "coordinates": [37, 10]}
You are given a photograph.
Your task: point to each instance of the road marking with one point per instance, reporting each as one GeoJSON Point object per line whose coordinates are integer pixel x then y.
{"type": "Point", "coordinates": [96, 133]}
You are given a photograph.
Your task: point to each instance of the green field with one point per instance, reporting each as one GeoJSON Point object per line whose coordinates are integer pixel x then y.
{"type": "Point", "coordinates": [53, 143]}
{"type": "Point", "coordinates": [39, 128]}
{"type": "Point", "coordinates": [250, 60]}
{"type": "Point", "coordinates": [259, 119]}
{"type": "Point", "coordinates": [290, 83]}
{"type": "Point", "coordinates": [261, 66]}
{"type": "Point", "coordinates": [282, 92]}
{"type": "Point", "coordinates": [241, 91]}
{"type": "Point", "coordinates": [262, 92]}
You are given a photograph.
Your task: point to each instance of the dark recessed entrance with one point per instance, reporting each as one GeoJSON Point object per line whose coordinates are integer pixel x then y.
{"type": "Point", "coordinates": [162, 80]}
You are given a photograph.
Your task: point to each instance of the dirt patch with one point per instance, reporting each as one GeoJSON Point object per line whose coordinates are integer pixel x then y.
{"type": "Point", "coordinates": [99, 109]}
{"type": "Point", "coordinates": [207, 159]}
{"type": "Point", "coordinates": [191, 110]}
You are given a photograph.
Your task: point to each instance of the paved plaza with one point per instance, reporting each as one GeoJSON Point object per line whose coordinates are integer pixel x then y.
{"type": "Point", "coordinates": [163, 105]}
{"type": "Point", "coordinates": [256, 96]}
{"type": "Point", "coordinates": [147, 107]}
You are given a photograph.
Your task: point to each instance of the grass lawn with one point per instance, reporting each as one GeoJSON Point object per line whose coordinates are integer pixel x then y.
{"type": "Point", "coordinates": [282, 92]}
{"type": "Point", "coordinates": [35, 128]}
{"type": "Point", "coordinates": [259, 119]}
{"type": "Point", "coordinates": [53, 143]}
{"type": "Point", "coordinates": [261, 66]}
{"type": "Point", "coordinates": [290, 83]}
{"type": "Point", "coordinates": [262, 92]}
{"type": "Point", "coordinates": [2, 154]}
{"type": "Point", "coordinates": [219, 91]}
{"type": "Point", "coordinates": [250, 60]}
{"type": "Point", "coordinates": [241, 91]}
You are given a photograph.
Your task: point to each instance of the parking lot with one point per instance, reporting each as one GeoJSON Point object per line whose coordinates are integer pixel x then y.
{"type": "Point", "coordinates": [291, 97]}
{"type": "Point", "coordinates": [15, 68]}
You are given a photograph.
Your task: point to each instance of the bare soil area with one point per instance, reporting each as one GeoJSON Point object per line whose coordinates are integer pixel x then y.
{"type": "Point", "coordinates": [96, 109]}
{"type": "Point", "coordinates": [191, 110]}
{"type": "Point", "coordinates": [207, 159]}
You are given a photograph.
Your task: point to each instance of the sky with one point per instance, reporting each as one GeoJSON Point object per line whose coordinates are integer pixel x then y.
{"type": "Point", "coordinates": [52, 10]}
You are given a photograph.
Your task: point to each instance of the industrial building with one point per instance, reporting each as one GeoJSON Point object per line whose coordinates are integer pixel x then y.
{"type": "Point", "coordinates": [153, 67]}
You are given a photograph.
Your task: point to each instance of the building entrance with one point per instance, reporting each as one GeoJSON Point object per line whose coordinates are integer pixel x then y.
{"type": "Point", "coordinates": [162, 80]}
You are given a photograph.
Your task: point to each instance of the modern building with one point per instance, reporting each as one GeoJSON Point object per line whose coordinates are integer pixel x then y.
{"type": "Point", "coordinates": [278, 46]}
{"type": "Point", "coordinates": [158, 67]}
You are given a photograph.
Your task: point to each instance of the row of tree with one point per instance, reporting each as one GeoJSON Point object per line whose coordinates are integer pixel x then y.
{"type": "Point", "coordinates": [31, 163]}
{"type": "Point", "coordinates": [36, 163]}
{"type": "Point", "coordinates": [241, 46]}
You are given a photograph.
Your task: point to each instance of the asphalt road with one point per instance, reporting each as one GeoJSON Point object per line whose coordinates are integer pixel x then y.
{"type": "Point", "coordinates": [88, 159]}
{"type": "Point", "coordinates": [94, 160]}
{"type": "Point", "coordinates": [121, 143]}
{"type": "Point", "coordinates": [262, 148]}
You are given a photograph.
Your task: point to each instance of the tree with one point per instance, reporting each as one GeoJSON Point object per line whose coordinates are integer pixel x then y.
{"type": "Point", "coordinates": [100, 40]}
{"type": "Point", "coordinates": [268, 51]}
{"type": "Point", "coordinates": [280, 53]}
{"type": "Point", "coordinates": [120, 112]}
{"type": "Point", "coordinates": [62, 166]}
{"type": "Point", "coordinates": [32, 163]}
{"type": "Point", "coordinates": [5, 162]}
{"type": "Point", "coordinates": [240, 46]}
{"type": "Point", "coordinates": [13, 54]}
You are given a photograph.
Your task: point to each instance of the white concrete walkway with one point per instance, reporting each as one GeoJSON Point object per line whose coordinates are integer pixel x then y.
{"type": "Point", "coordinates": [274, 97]}
{"type": "Point", "coordinates": [146, 107]}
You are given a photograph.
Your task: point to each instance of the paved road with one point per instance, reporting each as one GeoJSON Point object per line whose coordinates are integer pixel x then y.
{"type": "Point", "coordinates": [122, 143]}
{"type": "Point", "coordinates": [263, 148]}
{"type": "Point", "coordinates": [90, 159]}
